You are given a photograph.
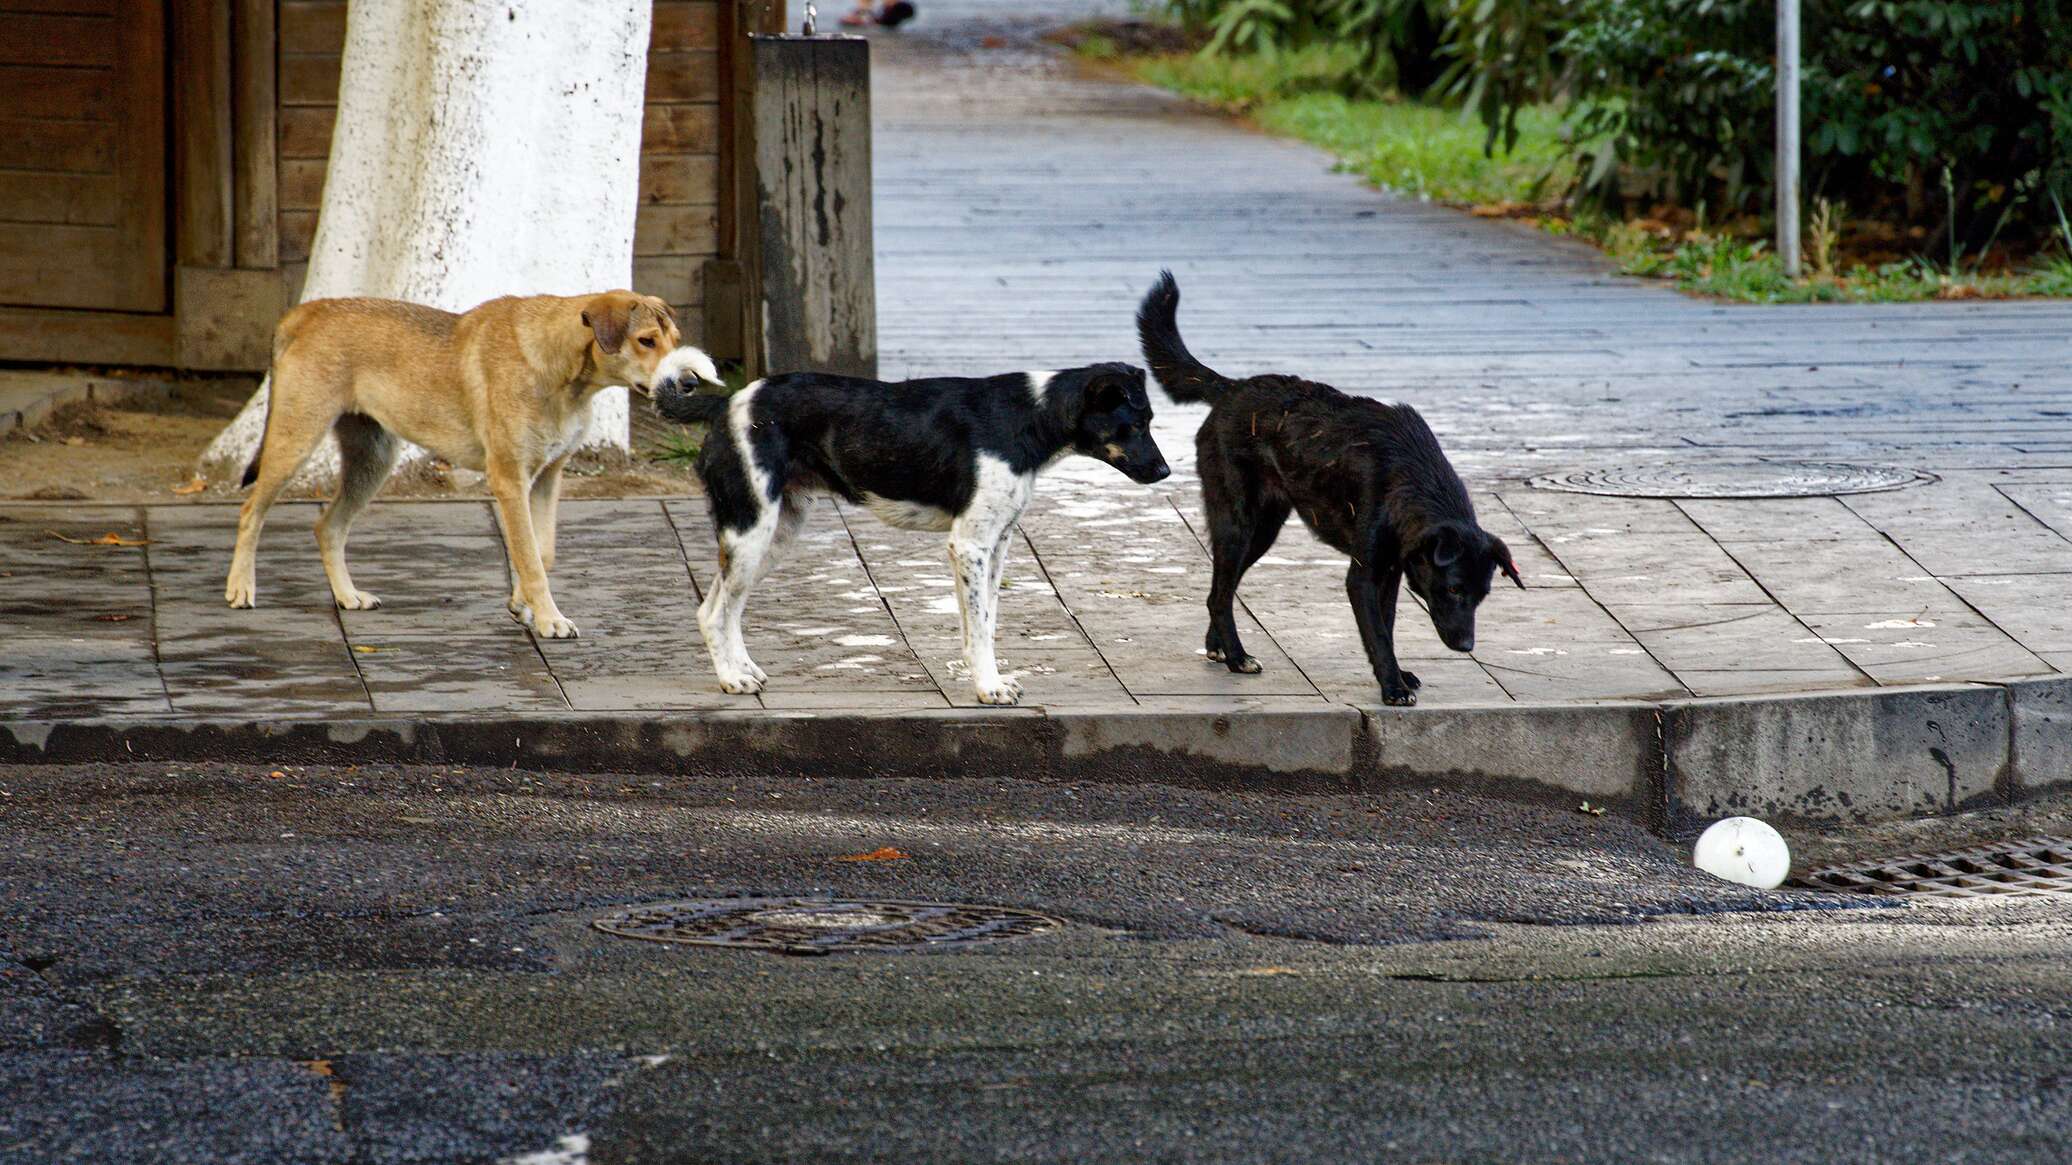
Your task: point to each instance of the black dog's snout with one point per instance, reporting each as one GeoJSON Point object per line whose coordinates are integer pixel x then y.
{"type": "Point", "coordinates": [1159, 472]}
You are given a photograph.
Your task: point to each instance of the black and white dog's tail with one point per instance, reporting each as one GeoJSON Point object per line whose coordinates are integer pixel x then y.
{"type": "Point", "coordinates": [690, 408]}
{"type": "Point", "coordinates": [1158, 328]}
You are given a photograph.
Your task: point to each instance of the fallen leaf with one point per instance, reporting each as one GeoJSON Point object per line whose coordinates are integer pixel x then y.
{"type": "Point", "coordinates": [1592, 810]}
{"type": "Point", "coordinates": [111, 538]}
{"type": "Point", "coordinates": [199, 484]}
{"type": "Point", "coordinates": [277, 775]}
{"type": "Point", "coordinates": [1269, 971]}
{"type": "Point", "coordinates": [113, 618]}
{"type": "Point", "coordinates": [883, 853]}
{"type": "Point", "coordinates": [367, 648]}
{"type": "Point", "coordinates": [320, 1067]}
{"type": "Point", "coordinates": [75, 442]}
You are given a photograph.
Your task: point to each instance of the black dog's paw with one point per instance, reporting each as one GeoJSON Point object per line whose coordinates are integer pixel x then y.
{"type": "Point", "coordinates": [1400, 698]}
{"type": "Point", "coordinates": [1249, 665]}
{"type": "Point", "coordinates": [1216, 655]}
{"type": "Point", "coordinates": [1410, 677]}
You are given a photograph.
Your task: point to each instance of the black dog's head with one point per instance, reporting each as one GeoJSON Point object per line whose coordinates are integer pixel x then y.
{"type": "Point", "coordinates": [1112, 419]}
{"type": "Point", "coordinates": [1450, 567]}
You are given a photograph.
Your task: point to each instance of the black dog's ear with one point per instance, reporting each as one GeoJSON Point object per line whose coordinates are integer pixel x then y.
{"type": "Point", "coordinates": [1444, 546]}
{"type": "Point", "coordinates": [1502, 554]}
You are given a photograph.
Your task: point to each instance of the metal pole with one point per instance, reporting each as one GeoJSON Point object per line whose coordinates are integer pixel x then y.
{"type": "Point", "coordinates": [1788, 135]}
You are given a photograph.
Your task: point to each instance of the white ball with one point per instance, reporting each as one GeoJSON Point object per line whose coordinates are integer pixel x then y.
{"type": "Point", "coordinates": [1744, 850]}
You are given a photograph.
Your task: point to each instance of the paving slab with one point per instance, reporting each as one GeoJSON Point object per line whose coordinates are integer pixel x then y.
{"type": "Point", "coordinates": [1673, 657]}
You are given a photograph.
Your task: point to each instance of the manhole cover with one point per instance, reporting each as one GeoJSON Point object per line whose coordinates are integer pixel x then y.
{"type": "Point", "coordinates": [1740, 479]}
{"type": "Point", "coordinates": [2038, 866]}
{"type": "Point", "coordinates": [818, 925]}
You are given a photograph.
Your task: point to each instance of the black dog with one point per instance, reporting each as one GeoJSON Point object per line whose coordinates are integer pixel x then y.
{"type": "Point", "coordinates": [948, 454]}
{"type": "Point", "coordinates": [1367, 477]}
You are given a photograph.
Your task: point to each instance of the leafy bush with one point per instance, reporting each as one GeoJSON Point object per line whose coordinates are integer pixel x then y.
{"type": "Point", "coordinates": [1674, 98]}
{"type": "Point", "coordinates": [1671, 100]}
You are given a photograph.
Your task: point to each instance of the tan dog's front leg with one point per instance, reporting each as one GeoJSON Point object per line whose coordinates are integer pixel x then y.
{"type": "Point", "coordinates": [514, 512]}
{"type": "Point", "coordinates": [545, 504]}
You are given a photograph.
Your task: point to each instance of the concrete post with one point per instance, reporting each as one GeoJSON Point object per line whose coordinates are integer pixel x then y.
{"type": "Point", "coordinates": [812, 131]}
{"type": "Point", "coordinates": [1788, 135]}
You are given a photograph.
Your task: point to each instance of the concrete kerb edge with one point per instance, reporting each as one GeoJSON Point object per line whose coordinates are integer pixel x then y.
{"type": "Point", "coordinates": [1607, 754]}
{"type": "Point", "coordinates": [1851, 756]}
{"type": "Point", "coordinates": [1809, 757]}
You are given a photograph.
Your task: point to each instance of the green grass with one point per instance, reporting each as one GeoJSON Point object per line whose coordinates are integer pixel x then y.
{"type": "Point", "coordinates": [1240, 84]}
{"type": "Point", "coordinates": [1745, 271]}
{"type": "Point", "coordinates": [1424, 151]}
{"type": "Point", "coordinates": [1095, 47]}
{"type": "Point", "coordinates": [1412, 148]}
{"type": "Point", "coordinates": [674, 449]}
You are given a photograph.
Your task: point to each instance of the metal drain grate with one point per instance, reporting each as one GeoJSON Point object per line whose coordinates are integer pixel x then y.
{"type": "Point", "coordinates": [1738, 479]}
{"type": "Point", "coordinates": [2040, 866]}
{"type": "Point", "coordinates": [819, 925]}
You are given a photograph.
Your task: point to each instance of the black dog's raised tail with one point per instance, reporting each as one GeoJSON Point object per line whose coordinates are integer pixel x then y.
{"type": "Point", "coordinates": [1158, 328]}
{"type": "Point", "coordinates": [690, 408]}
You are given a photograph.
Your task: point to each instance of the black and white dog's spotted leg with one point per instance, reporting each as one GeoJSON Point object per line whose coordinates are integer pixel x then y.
{"type": "Point", "coordinates": [978, 552]}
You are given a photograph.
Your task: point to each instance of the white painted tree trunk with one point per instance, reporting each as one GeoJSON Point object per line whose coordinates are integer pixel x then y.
{"type": "Point", "coordinates": [482, 149]}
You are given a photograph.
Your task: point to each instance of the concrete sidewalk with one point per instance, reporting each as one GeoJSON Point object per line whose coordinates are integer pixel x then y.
{"type": "Point", "coordinates": [1865, 655]}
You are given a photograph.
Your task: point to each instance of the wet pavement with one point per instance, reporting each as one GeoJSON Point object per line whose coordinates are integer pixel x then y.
{"type": "Point", "coordinates": [235, 963]}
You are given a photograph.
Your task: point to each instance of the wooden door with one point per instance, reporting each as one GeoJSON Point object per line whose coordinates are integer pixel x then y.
{"type": "Point", "coordinates": [82, 154]}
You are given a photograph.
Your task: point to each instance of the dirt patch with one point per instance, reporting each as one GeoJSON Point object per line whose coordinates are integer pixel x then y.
{"type": "Point", "coordinates": [1127, 38]}
{"type": "Point", "coordinates": [145, 450]}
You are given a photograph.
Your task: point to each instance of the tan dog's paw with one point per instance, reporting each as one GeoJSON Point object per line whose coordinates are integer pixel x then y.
{"type": "Point", "coordinates": [240, 594]}
{"type": "Point", "coordinates": [1001, 691]}
{"type": "Point", "coordinates": [358, 601]}
{"type": "Point", "coordinates": [555, 627]}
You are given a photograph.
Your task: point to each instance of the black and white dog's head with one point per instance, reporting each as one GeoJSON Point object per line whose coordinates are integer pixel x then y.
{"type": "Point", "coordinates": [1451, 568]}
{"type": "Point", "coordinates": [1108, 416]}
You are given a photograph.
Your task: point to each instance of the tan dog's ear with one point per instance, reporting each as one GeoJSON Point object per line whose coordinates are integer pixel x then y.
{"type": "Point", "coordinates": [662, 309]}
{"type": "Point", "coordinates": [608, 316]}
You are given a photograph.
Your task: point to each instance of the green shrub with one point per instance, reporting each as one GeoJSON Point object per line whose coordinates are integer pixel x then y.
{"type": "Point", "coordinates": [1675, 101]}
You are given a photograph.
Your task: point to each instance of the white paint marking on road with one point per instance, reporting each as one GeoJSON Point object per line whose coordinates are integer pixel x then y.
{"type": "Point", "coordinates": [573, 1149]}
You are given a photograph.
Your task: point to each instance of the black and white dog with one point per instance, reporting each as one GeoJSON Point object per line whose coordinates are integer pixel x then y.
{"type": "Point", "coordinates": [949, 454]}
{"type": "Point", "coordinates": [1367, 477]}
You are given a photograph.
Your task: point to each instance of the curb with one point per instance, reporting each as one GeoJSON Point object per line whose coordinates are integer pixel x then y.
{"type": "Point", "coordinates": [1675, 765]}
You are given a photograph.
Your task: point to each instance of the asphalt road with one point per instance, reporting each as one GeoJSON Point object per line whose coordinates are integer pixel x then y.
{"type": "Point", "coordinates": [226, 965]}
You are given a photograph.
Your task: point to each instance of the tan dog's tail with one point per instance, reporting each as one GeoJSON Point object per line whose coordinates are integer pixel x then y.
{"type": "Point", "coordinates": [252, 467]}
{"type": "Point", "coordinates": [282, 334]}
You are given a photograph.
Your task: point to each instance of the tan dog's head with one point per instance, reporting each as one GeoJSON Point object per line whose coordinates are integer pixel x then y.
{"type": "Point", "coordinates": [632, 336]}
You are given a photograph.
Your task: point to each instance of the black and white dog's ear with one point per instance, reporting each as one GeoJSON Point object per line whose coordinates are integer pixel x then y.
{"type": "Point", "coordinates": [1502, 554]}
{"type": "Point", "coordinates": [1109, 388]}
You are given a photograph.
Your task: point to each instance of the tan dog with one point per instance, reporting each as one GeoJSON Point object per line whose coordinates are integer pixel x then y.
{"type": "Point", "coordinates": [504, 388]}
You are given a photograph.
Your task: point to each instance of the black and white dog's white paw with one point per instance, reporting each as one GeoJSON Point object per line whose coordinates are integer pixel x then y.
{"type": "Point", "coordinates": [1000, 690]}
{"type": "Point", "coordinates": [742, 683]}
